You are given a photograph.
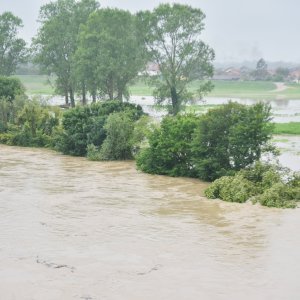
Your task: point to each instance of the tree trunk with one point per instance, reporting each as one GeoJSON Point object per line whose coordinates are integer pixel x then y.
{"type": "Point", "coordinates": [120, 95]}
{"type": "Point", "coordinates": [111, 88]}
{"type": "Point", "coordinates": [175, 101]}
{"type": "Point", "coordinates": [83, 94]}
{"type": "Point", "coordinates": [72, 97]}
{"type": "Point", "coordinates": [94, 96]}
{"type": "Point", "coordinates": [67, 98]}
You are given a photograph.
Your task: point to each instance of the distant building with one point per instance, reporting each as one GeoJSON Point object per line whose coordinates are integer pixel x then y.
{"type": "Point", "coordinates": [227, 74]}
{"type": "Point", "coordinates": [152, 69]}
{"type": "Point", "coordinates": [294, 75]}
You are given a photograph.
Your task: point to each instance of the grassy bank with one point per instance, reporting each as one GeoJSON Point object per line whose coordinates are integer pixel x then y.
{"type": "Point", "coordinates": [287, 128]}
{"type": "Point", "coordinates": [38, 84]}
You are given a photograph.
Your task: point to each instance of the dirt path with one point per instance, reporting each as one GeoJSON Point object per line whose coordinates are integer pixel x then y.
{"type": "Point", "coordinates": [280, 86]}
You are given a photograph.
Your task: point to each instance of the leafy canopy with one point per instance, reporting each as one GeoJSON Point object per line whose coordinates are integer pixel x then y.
{"type": "Point", "coordinates": [12, 49]}
{"type": "Point", "coordinates": [230, 138]}
{"type": "Point", "coordinates": [57, 40]}
{"type": "Point", "coordinates": [172, 34]}
{"type": "Point", "coordinates": [110, 53]}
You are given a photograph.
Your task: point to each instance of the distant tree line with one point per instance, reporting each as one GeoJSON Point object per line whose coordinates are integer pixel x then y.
{"type": "Point", "coordinates": [96, 52]}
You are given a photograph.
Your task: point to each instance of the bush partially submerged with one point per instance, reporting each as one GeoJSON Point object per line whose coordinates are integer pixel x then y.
{"type": "Point", "coordinates": [267, 184]}
{"type": "Point", "coordinates": [231, 189]}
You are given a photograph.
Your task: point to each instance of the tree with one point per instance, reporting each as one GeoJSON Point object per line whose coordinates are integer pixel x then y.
{"type": "Point", "coordinates": [118, 144]}
{"type": "Point", "coordinates": [57, 41]}
{"type": "Point", "coordinates": [12, 49]}
{"type": "Point", "coordinates": [84, 125]}
{"type": "Point", "coordinates": [12, 96]}
{"type": "Point", "coordinates": [172, 36]}
{"type": "Point", "coordinates": [170, 151]}
{"type": "Point", "coordinates": [10, 88]}
{"type": "Point", "coordinates": [261, 71]}
{"type": "Point", "coordinates": [110, 54]}
{"type": "Point", "coordinates": [230, 138]}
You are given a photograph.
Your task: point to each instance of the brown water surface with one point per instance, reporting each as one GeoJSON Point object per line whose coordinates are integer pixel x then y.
{"type": "Point", "coordinates": [73, 229]}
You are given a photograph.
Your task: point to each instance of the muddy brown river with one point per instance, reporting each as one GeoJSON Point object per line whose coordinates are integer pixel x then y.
{"type": "Point", "coordinates": [74, 229]}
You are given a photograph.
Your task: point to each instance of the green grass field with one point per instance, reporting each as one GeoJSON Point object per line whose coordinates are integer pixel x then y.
{"type": "Point", "coordinates": [37, 84]}
{"type": "Point", "coordinates": [287, 128]}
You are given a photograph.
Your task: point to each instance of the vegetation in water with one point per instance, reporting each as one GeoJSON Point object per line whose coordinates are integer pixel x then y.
{"type": "Point", "coordinates": [85, 125]}
{"type": "Point", "coordinates": [218, 143]}
{"type": "Point", "coordinates": [287, 128]}
{"type": "Point", "coordinates": [98, 53]}
{"type": "Point", "coordinates": [169, 151]}
{"type": "Point", "coordinates": [268, 184]}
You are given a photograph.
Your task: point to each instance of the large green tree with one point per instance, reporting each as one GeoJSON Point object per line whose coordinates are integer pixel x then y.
{"type": "Point", "coordinates": [230, 138]}
{"type": "Point", "coordinates": [172, 34]}
{"type": "Point", "coordinates": [12, 49]}
{"type": "Point", "coordinates": [110, 54]}
{"type": "Point", "coordinates": [57, 40]}
{"type": "Point", "coordinates": [170, 151]}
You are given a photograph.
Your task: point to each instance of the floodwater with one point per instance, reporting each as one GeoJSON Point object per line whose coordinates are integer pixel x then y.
{"type": "Point", "coordinates": [289, 147]}
{"type": "Point", "coordinates": [74, 229]}
{"type": "Point", "coordinates": [283, 110]}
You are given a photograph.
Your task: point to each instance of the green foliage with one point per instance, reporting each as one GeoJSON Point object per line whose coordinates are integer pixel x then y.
{"type": "Point", "coordinates": [270, 185]}
{"type": "Point", "coordinates": [172, 34]}
{"type": "Point", "coordinates": [169, 151]}
{"type": "Point", "coordinates": [12, 97]}
{"type": "Point", "coordinates": [231, 188]}
{"type": "Point", "coordinates": [230, 138]}
{"type": "Point", "coordinates": [57, 41]}
{"type": "Point", "coordinates": [10, 88]}
{"type": "Point", "coordinates": [142, 130]}
{"type": "Point", "coordinates": [93, 153]}
{"type": "Point", "coordinates": [84, 125]}
{"type": "Point", "coordinates": [118, 143]}
{"type": "Point", "coordinates": [110, 53]}
{"type": "Point", "coordinates": [278, 195]}
{"type": "Point", "coordinates": [32, 126]}
{"type": "Point", "coordinates": [12, 48]}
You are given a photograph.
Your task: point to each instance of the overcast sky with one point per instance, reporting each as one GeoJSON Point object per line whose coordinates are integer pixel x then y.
{"type": "Point", "coordinates": [238, 30]}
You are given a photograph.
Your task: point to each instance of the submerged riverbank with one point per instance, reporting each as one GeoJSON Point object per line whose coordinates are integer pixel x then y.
{"type": "Point", "coordinates": [74, 229]}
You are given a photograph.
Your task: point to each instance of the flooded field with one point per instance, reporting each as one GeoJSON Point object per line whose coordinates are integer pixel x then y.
{"type": "Point", "coordinates": [74, 229]}
{"type": "Point", "coordinates": [283, 110]}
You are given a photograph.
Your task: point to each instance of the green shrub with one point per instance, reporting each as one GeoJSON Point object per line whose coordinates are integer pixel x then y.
{"type": "Point", "coordinates": [32, 125]}
{"type": "Point", "coordinates": [84, 125]}
{"type": "Point", "coordinates": [169, 151]}
{"type": "Point", "coordinates": [279, 195]}
{"type": "Point", "coordinates": [11, 88]}
{"type": "Point", "coordinates": [229, 138]}
{"type": "Point", "coordinates": [5, 138]}
{"type": "Point", "coordinates": [93, 153]}
{"type": "Point", "coordinates": [231, 188]}
{"type": "Point", "coordinates": [118, 143]}
{"type": "Point", "coordinates": [268, 184]}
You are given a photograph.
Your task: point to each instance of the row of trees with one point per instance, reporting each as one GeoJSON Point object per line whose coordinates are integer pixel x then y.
{"type": "Point", "coordinates": [225, 144]}
{"type": "Point", "coordinates": [98, 52]}
{"type": "Point", "coordinates": [218, 143]}
{"type": "Point", "coordinates": [80, 131]}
